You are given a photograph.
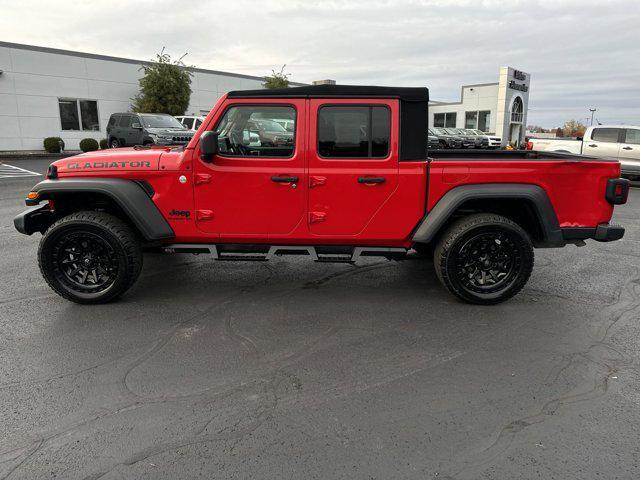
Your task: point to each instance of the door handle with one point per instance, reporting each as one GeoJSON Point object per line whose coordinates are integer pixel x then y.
{"type": "Point", "coordinates": [627, 148]}
{"type": "Point", "coordinates": [593, 145]}
{"type": "Point", "coordinates": [279, 179]}
{"type": "Point", "coordinates": [371, 179]}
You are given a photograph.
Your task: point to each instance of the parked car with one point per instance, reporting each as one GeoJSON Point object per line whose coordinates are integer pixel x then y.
{"type": "Point", "coordinates": [481, 140]}
{"type": "Point", "coordinates": [468, 141]}
{"type": "Point", "coordinates": [192, 122]}
{"type": "Point", "coordinates": [270, 132]}
{"type": "Point", "coordinates": [602, 141]}
{"type": "Point", "coordinates": [492, 140]}
{"type": "Point", "coordinates": [433, 142]}
{"type": "Point", "coordinates": [128, 129]}
{"type": "Point", "coordinates": [287, 123]}
{"type": "Point", "coordinates": [446, 140]}
{"type": "Point", "coordinates": [332, 195]}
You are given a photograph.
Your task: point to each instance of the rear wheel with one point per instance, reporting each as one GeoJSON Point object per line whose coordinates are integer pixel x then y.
{"type": "Point", "coordinates": [484, 258]}
{"type": "Point", "coordinates": [90, 257]}
{"type": "Point", "coordinates": [114, 143]}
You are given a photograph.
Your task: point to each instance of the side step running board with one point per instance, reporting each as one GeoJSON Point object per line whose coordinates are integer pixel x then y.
{"type": "Point", "coordinates": [253, 253]}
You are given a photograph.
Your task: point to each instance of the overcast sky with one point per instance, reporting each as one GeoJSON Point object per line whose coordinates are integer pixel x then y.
{"type": "Point", "coordinates": [580, 53]}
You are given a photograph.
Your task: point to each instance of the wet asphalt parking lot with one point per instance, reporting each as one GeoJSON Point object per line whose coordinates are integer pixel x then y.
{"type": "Point", "coordinates": [293, 369]}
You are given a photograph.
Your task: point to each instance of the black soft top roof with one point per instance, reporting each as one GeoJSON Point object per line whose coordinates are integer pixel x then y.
{"type": "Point", "coordinates": [406, 94]}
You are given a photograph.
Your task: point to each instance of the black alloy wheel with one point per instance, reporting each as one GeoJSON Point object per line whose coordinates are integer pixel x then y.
{"type": "Point", "coordinates": [90, 257]}
{"type": "Point", "coordinates": [484, 258]}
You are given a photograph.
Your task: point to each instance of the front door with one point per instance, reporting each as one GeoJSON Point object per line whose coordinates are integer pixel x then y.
{"type": "Point", "coordinates": [256, 185]}
{"type": "Point", "coordinates": [353, 163]}
{"type": "Point", "coordinates": [604, 142]}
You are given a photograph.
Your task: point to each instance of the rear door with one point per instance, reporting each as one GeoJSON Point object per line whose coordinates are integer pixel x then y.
{"type": "Point", "coordinates": [253, 189]}
{"type": "Point", "coordinates": [629, 153]}
{"type": "Point", "coordinates": [353, 163]}
{"type": "Point", "coordinates": [604, 142]}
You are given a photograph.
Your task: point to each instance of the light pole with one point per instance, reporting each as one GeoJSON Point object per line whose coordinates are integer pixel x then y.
{"type": "Point", "coordinates": [592, 110]}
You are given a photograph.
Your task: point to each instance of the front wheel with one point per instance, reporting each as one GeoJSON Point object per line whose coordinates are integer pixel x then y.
{"type": "Point", "coordinates": [484, 258]}
{"type": "Point", "coordinates": [114, 143]}
{"type": "Point", "coordinates": [90, 257]}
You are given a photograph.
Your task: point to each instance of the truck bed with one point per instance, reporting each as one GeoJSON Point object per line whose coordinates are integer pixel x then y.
{"type": "Point", "coordinates": [510, 155]}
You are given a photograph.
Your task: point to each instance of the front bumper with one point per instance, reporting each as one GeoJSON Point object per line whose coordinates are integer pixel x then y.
{"type": "Point", "coordinates": [605, 232]}
{"type": "Point", "coordinates": [34, 219]}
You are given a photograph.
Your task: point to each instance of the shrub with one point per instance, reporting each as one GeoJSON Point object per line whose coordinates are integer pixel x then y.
{"type": "Point", "coordinates": [104, 144]}
{"type": "Point", "coordinates": [52, 144]}
{"type": "Point", "coordinates": [89, 144]}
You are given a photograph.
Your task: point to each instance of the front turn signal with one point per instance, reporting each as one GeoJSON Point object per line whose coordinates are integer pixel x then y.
{"type": "Point", "coordinates": [32, 195]}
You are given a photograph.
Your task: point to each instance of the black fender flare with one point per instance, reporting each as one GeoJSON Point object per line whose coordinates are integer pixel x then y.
{"type": "Point", "coordinates": [435, 220]}
{"type": "Point", "coordinates": [129, 195]}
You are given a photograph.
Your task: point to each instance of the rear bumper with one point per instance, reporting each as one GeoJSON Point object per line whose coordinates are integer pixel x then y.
{"type": "Point", "coordinates": [605, 232]}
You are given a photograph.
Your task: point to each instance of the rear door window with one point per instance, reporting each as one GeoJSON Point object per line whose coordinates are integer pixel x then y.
{"type": "Point", "coordinates": [125, 121]}
{"type": "Point", "coordinates": [632, 136]}
{"type": "Point", "coordinates": [354, 131]}
{"type": "Point", "coordinates": [609, 135]}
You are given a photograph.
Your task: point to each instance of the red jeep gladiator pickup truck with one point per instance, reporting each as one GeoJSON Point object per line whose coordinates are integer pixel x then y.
{"type": "Point", "coordinates": [349, 176]}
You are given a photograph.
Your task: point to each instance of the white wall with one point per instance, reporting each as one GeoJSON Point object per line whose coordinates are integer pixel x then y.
{"type": "Point", "coordinates": [33, 80]}
{"type": "Point", "coordinates": [473, 98]}
{"type": "Point", "coordinates": [495, 97]}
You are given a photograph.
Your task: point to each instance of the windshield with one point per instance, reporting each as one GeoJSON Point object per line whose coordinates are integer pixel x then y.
{"type": "Point", "coordinates": [468, 131]}
{"type": "Point", "coordinates": [160, 121]}
{"type": "Point", "coordinates": [440, 131]}
{"type": "Point", "coordinates": [478, 132]}
{"type": "Point", "coordinates": [451, 131]}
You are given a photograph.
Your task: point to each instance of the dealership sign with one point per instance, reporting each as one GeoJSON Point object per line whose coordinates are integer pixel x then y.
{"type": "Point", "coordinates": [518, 75]}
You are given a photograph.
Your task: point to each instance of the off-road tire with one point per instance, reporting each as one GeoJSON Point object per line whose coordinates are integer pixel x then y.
{"type": "Point", "coordinates": [477, 243]}
{"type": "Point", "coordinates": [118, 240]}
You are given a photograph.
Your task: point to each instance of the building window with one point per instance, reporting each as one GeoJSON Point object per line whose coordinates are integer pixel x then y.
{"type": "Point", "coordinates": [354, 132]}
{"type": "Point", "coordinates": [517, 110]}
{"type": "Point", "coordinates": [447, 119]}
{"type": "Point", "coordinates": [78, 114]}
{"type": "Point", "coordinates": [484, 120]}
{"type": "Point", "coordinates": [471, 120]}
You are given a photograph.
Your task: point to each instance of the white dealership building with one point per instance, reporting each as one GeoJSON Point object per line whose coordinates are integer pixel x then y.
{"type": "Point", "coordinates": [47, 92]}
{"type": "Point", "coordinates": [499, 107]}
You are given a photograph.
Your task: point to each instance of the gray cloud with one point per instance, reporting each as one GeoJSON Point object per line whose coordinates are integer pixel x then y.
{"type": "Point", "coordinates": [581, 53]}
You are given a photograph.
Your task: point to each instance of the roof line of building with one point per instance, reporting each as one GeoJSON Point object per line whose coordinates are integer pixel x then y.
{"type": "Point", "coordinates": [95, 56]}
{"type": "Point", "coordinates": [462, 93]}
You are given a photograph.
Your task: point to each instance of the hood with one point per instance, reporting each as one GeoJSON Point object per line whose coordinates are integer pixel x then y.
{"type": "Point", "coordinates": [170, 131]}
{"type": "Point", "coordinates": [116, 159]}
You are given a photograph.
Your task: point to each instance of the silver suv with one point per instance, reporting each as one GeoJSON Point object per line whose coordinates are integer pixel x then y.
{"type": "Point", "coordinates": [127, 129]}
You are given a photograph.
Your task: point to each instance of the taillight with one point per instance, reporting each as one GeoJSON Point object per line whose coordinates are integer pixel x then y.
{"type": "Point", "coordinates": [617, 191]}
{"type": "Point", "coordinates": [529, 145]}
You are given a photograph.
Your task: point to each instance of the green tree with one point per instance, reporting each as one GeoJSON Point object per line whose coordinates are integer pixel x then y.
{"type": "Point", "coordinates": [277, 79]}
{"type": "Point", "coordinates": [165, 86]}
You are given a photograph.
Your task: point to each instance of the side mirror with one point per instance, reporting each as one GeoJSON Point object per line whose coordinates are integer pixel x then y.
{"type": "Point", "coordinates": [208, 145]}
{"type": "Point", "coordinates": [136, 125]}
